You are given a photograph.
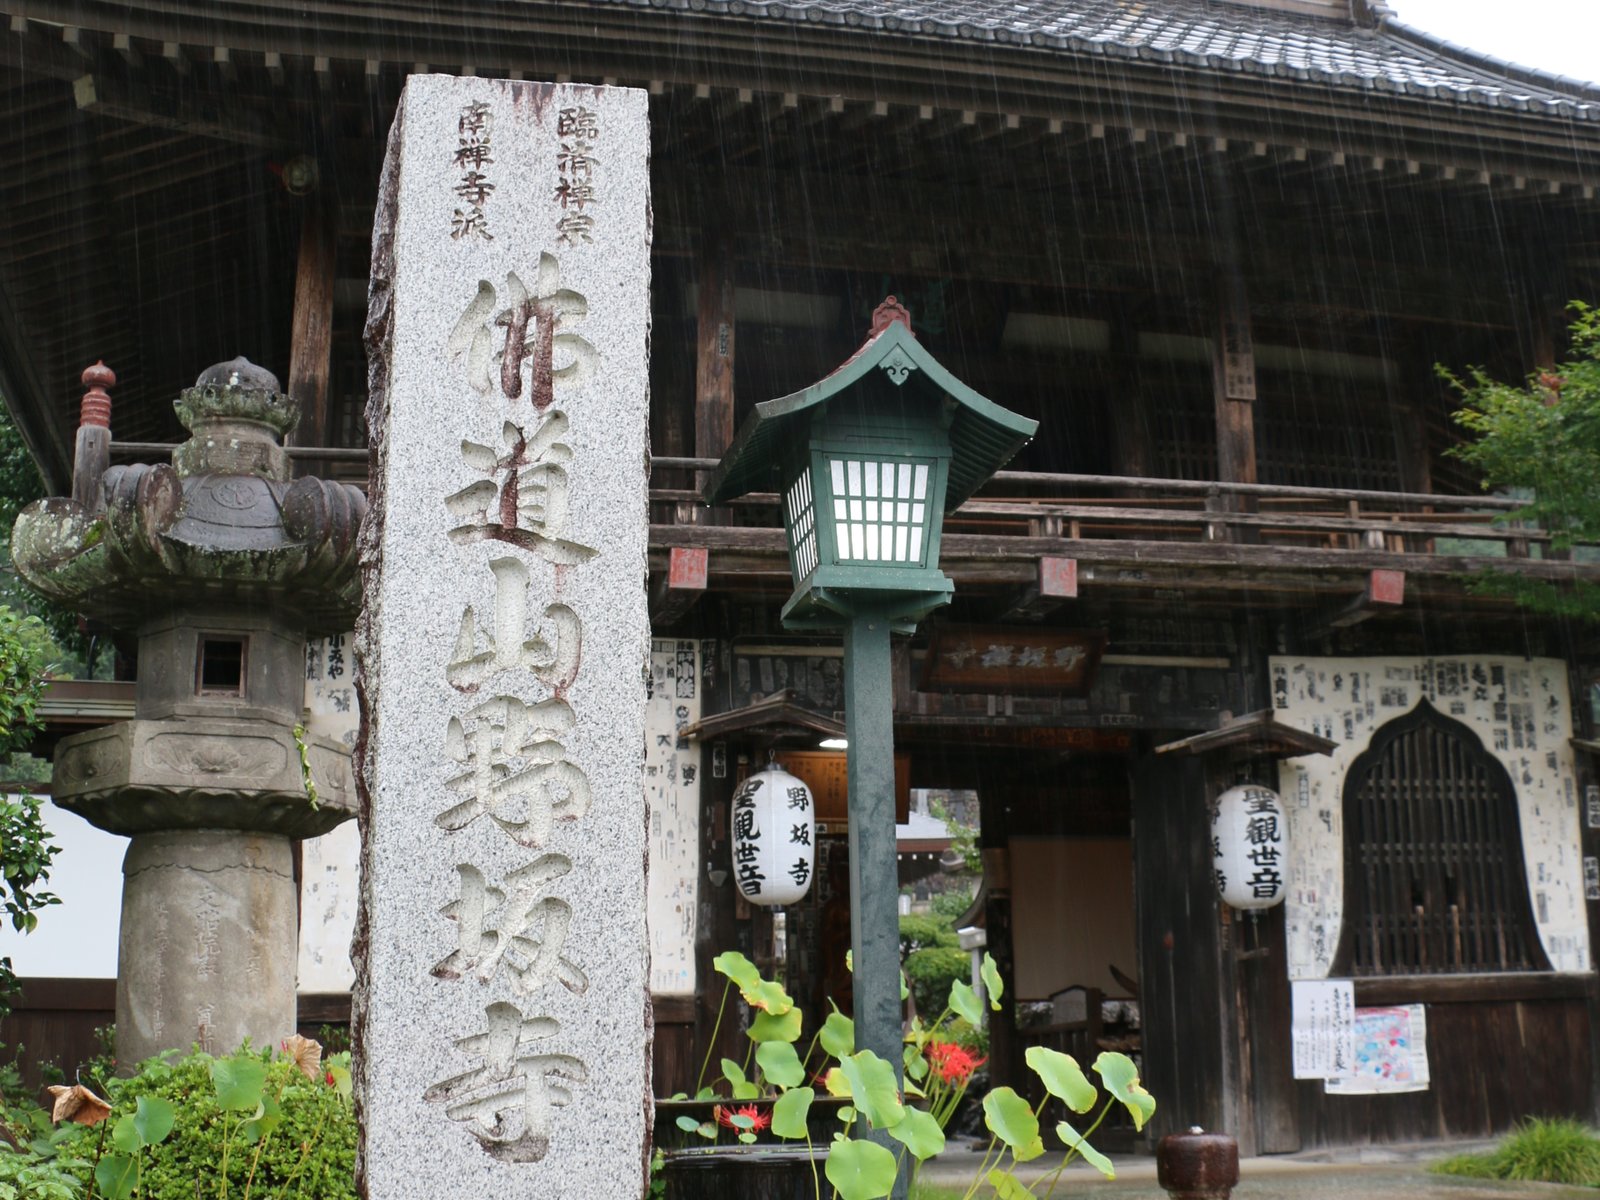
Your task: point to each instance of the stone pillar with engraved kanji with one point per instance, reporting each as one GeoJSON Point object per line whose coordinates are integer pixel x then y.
{"type": "Point", "coordinates": [502, 1000]}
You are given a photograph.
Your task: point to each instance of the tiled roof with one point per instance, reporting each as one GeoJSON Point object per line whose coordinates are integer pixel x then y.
{"type": "Point", "coordinates": [1200, 34]}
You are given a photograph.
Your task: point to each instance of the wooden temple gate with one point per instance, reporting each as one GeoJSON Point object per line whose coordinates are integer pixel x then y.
{"type": "Point", "coordinates": [1221, 288]}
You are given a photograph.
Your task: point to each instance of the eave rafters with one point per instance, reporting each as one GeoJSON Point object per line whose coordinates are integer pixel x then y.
{"type": "Point", "coordinates": [1015, 85]}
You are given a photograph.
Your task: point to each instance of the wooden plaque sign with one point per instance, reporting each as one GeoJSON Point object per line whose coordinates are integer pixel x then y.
{"type": "Point", "coordinates": [1010, 658]}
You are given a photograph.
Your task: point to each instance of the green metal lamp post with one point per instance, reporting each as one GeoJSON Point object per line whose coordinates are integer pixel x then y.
{"type": "Point", "coordinates": [867, 461]}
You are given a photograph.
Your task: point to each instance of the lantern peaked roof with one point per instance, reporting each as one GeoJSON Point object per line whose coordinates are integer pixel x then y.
{"type": "Point", "coordinates": [983, 435]}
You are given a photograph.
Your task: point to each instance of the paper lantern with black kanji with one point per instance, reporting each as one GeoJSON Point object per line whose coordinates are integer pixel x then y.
{"type": "Point", "coordinates": [774, 837]}
{"type": "Point", "coordinates": [1250, 845]}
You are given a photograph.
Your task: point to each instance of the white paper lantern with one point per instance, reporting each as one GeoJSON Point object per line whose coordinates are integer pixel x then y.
{"type": "Point", "coordinates": [1250, 843]}
{"type": "Point", "coordinates": [774, 837]}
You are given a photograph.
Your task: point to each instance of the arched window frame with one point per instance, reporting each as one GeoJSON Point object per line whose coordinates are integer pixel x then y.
{"type": "Point", "coordinates": [1454, 833]}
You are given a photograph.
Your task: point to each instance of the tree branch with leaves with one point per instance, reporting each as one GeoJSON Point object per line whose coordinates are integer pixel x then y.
{"type": "Point", "coordinates": [1542, 441]}
{"type": "Point", "coordinates": [26, 850]}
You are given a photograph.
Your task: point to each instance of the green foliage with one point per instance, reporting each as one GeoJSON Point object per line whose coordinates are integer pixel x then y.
{"type": "Point", "coordinates": [245, 1124]}
{"type": "Point", "coordinates": [913, 1107]}
{"type": "Point", "coordinates": [931, 972]}
{"type": "Point", "coordinates": [1062, 1077]}
{"type": "Point", "coordinates": [24, 1177]}
{"type": "Point", "coordinates": [26, 850]}
{"type": "Point", "coordinates": [963, 841]}
{"type": "Point", "coordinates": [948, 907]}
{"type": "Point", "coordinates": [1540, 1151]}
{"type": "Point", "coordinates": [335, 1039]}
{"type": "Point", "coordinates": [20, 486]}
{"type": "Point", "coordinates": [1543, 440]}
{"type": "Point", "coordinates": [24, 643]}
{"type": "Point", "coordinates": [860, 1170]}
{"type": "Point", "coordinates": [1010, 1118]}
{"type": "Point", "coordinates": [923, 933]}
{"type": "Point", "coordinates": [1121, 1079]}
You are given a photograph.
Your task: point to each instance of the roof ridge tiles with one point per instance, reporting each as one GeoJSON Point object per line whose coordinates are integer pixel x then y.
{"type": "Point", "coordinates": [1377, 53]}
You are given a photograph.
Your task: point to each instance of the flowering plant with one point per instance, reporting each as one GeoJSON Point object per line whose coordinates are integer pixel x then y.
{"type": "Point", "coordinates": [937, 1070]}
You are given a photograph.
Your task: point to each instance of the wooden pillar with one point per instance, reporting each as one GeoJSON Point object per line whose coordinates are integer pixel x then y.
{"type": "Point", "coordinates": [1262, 1014]}
{"type": "Point", "coordinates": [1409, 421]}
{"type": "Point", "coordinates": [1132, 439]}
{"type": "Point", "coordinates": [311, 339]}
{"type": "Point", "coordinates": [713, 382]}
{"type": "Point", "coordinates": [1233, 372]}
{"type": "Point", "coordinates": [1005, 1054]}
{"type": "Point", "coordinates": [1580, 672]}
{"type": "Point", "coordinates": [1186, 998]}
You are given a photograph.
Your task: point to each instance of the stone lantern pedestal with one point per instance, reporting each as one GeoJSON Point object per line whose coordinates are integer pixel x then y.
{"type": "Point", "coordinates": [222, 567]}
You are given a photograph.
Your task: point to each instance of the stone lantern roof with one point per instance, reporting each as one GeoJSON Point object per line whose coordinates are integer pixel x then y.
{"type": "Point", "coordinates": [222, 524]}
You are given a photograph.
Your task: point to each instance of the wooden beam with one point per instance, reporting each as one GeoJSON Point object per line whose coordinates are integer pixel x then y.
{"type": "Point", "coordinates": [104, 97]}
{"type": "Point", "coordinates": [311, 337]}
{"type": "Point", "coordinates": [713, 390]}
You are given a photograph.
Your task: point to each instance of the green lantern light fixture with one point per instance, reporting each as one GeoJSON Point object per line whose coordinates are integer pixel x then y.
{"type": "Point", "coordinates": [867, 461]}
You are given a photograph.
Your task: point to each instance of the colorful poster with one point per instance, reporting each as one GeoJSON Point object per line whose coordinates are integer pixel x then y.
{"type": "Point", "coordinates": [1391, 1053]}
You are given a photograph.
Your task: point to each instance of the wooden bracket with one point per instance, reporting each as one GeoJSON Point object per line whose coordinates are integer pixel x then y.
{"type": "Point", "coordinates": [672, 598]}
{"type": "Point", "coordinates": [1384, 590]}
{"type": "Point", "coordinates": [1055, 582]}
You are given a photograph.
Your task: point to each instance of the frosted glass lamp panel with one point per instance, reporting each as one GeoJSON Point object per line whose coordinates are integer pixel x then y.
{"type": "Point", "coordinates": [799, 516]}
{"type": "Point", "coordinates": [880, 510]}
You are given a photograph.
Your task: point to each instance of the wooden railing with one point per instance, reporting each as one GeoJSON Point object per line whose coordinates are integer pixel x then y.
{"type": "Point", "coordinates": [1040, 504]}
{"type": "Point", "coordinates": [1037, 504]}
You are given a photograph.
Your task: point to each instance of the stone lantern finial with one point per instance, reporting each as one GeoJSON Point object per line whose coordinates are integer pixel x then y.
{"type": "Point", "coordinates": [96, 407]}
{"type": "Point", "coordinates": [92, 452]}
{"type": "Point", "coordinates": [238, 417]}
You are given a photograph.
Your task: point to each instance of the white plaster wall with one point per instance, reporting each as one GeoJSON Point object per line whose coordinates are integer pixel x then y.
{"type": "Point", "coordinates": [1521, 711]}
{"type": "Point", "coordinates": [672, 792]}
{"type": "Point", "coordinates": [76, 939]}
{"type": "Point", "coordinates": [330, 874]}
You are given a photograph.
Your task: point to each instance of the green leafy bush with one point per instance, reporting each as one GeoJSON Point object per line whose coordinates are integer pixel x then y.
{"type": "Point", "coordinates": [248, 1124]}
{"type": "Point", "coordinates": [948, 907]}
{"type": "Point", "coordinates": [1538, 1151]}
{"type": "Point", "coordinates": [920, 933]}
{"type": "Point", "coordinates": [25, 846]}
{"type": "Point", "coordinates": [931, 972]}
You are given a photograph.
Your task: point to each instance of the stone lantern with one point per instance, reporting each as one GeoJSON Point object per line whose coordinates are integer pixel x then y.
{"type": "Point", "coordinates": [222, 566]}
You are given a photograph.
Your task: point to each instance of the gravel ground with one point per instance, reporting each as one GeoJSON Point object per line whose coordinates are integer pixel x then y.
{"type": "Point", "coordinates": [1388, 1174]}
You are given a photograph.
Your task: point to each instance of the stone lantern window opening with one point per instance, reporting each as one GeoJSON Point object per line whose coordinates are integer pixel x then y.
{"type": "Point", "coordinates": [221, 666]}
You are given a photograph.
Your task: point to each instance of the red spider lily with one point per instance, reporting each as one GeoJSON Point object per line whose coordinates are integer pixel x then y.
{"type": "Point", "coordinates": [759, 1118]}
{"type": "Point", "coordinates": [954, 1064]}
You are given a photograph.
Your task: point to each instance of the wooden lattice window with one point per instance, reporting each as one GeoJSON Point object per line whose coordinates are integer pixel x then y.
{"type": "Point", "coordinates": [1434, 878]}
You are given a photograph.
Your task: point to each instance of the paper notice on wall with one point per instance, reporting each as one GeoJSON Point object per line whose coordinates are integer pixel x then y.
{"type": "Point", "coordinates": [1391, 1052]}
{"type": "Point", "coordinates": [1323, 1029]}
